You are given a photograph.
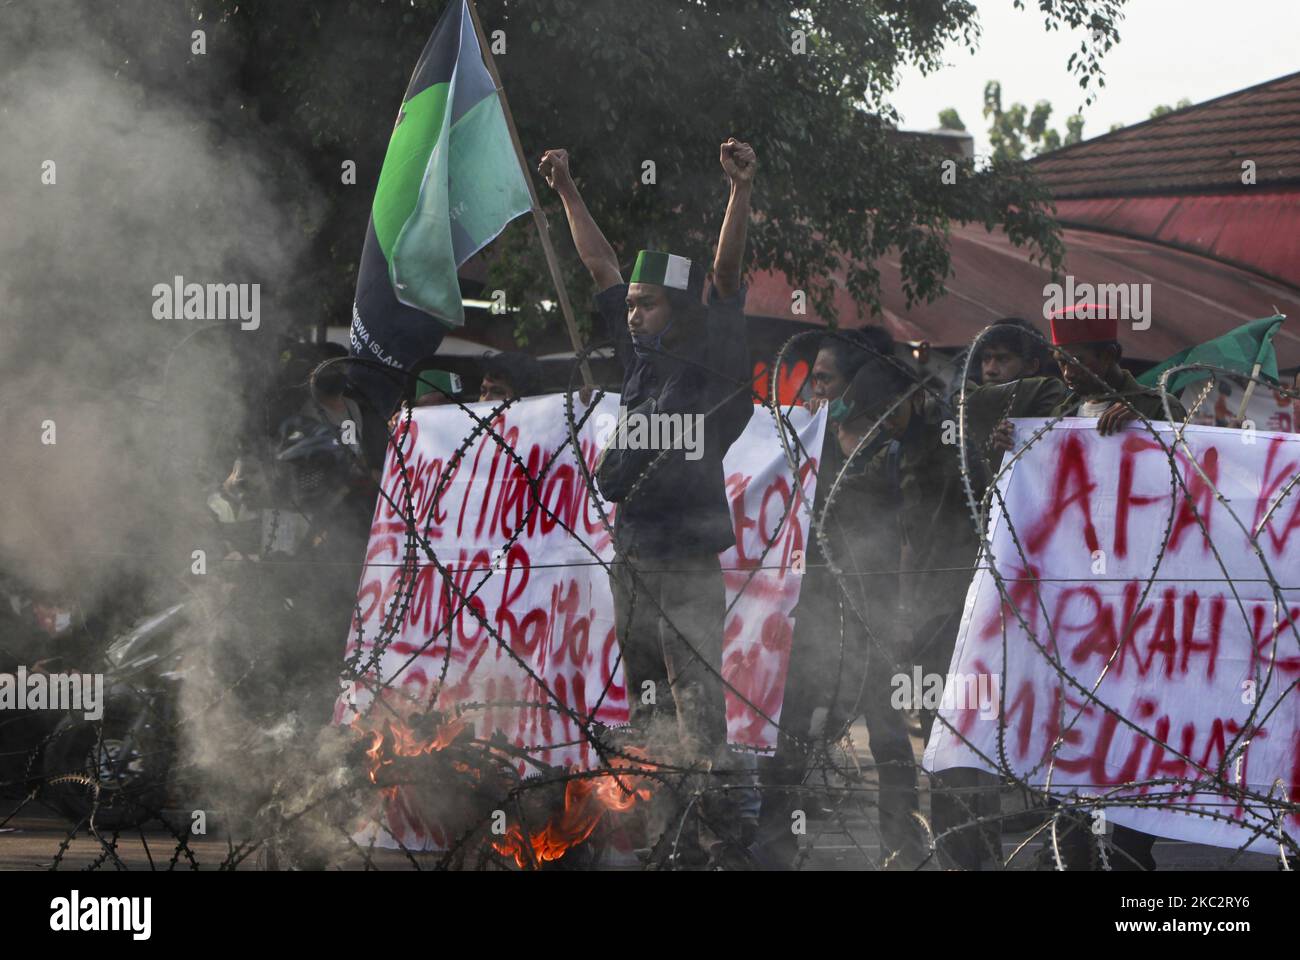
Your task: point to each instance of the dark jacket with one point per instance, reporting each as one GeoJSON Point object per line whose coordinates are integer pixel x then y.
{"type": "Point", "coordinates": [1145, 401]}
{"type": "Point", "coordinates": [937, 535]}
{"type": "Point", "coordinates": [675, 506]}
{"type": "Point", "coordinates": [1048, 397]}
{"type": "Point", "coordinates": [862, 540]}
{"type": "Point", "coordinates": [856, 524]}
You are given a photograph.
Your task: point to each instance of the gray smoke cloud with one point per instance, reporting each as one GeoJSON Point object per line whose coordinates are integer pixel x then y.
{"type": "Point", "coordinates": [126, 163]}
{"type": "Point", "coordinates": [113, 184]}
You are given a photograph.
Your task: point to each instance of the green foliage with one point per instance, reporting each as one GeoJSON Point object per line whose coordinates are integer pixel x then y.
{"type": "Point", "coordinates": [1013, 130]}
{"type": "Point", "coordinates": [949, 120]}
{"type": "Point", "coordinates": [619, 83]}
{"type": "Point", "coordinates": [1100, 18]}
{"type": "Point", "coordinates": [1164, 108]}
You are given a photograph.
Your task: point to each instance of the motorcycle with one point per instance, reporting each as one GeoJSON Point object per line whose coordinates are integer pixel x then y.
{"type": "Point", "coordinates": [119, 771]}
{"type": "Point", "coordinates": [114, 772]}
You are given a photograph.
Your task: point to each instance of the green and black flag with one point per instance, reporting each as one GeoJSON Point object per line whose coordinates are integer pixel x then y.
{"type": "Point", "coordinates": [450, 183]}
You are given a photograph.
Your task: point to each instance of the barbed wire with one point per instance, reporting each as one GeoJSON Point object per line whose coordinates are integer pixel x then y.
{"type": "Point", "coordinates": [439, 750]}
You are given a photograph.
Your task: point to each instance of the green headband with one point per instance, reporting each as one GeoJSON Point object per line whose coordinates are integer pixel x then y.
{"type": "Point", "coordinates": [664, 269]}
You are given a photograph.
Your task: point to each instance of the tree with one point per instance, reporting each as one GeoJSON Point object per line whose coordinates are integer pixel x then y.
{"type": "Point", "coordinates": [1162, 109]}
{"type": "Point", "coordinates": [622, 84]}
{"type": "Point", "coordinates": [949, 120]}
{"type": "Point", "coordinates": [1011, 131]}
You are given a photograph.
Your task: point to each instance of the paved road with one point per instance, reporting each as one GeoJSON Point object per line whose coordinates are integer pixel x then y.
{"type": "Point", "coordinates": [32, 840]}
{"type": "Point", "coordinates": [30, 843]}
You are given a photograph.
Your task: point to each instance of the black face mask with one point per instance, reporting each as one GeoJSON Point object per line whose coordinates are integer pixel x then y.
{"type": "Point", "coordinates": [647, 348]}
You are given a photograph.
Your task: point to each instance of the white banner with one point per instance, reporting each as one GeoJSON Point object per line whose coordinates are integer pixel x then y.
{"type": "Point", "coordinates": [1187, 648]}
{"type": "Point", "coordinates": [544, 592]}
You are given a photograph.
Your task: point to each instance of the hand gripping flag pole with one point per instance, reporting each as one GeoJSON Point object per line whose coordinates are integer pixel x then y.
{"type": "Point", "coordinates": [539, 217]}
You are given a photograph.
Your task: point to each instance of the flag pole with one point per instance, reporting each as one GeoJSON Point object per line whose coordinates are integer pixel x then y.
{"type": "Point", "coordinates": [1250, 387]}
{"type": "Point", "coordinates": [539, 217]}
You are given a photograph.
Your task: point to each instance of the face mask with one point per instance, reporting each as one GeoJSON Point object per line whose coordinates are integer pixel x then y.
{"type": "Point", "coordinates": [841, 408]}
{"type": "Point", "coordinates": [647, 348]}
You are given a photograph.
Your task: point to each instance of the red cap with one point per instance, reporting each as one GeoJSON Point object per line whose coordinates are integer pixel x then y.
{"type": "Point", "coordinates": [1083, 323]}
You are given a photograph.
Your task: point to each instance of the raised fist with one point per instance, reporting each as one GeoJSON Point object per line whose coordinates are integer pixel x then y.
{"type": "Point", "coordinates": [554, 168]}
{"type": "Point", "coordinates": [738, 160]}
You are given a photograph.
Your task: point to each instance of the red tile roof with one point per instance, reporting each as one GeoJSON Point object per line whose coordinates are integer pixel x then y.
{"type": "Point", "coordinates": [1197, 149]}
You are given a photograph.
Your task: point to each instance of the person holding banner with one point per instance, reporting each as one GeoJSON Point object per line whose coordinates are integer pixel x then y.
{"type": "Point", "coordinates": [1085, 341]}
{"type": "Point", "coordinates": [1086, 347]}
{"type": "Point", "coordinates": [681, 359]}
{"type": "Point", "coordinates": [842, 653]}
{"type": "Point", "coordinates": [509, 376]}
{"type": "Point", "coordinates": [1085, 344]}
{"type": "Point", "coordinates": [917, 471]}
{"type": "Point", "coordinates": [920, 475]}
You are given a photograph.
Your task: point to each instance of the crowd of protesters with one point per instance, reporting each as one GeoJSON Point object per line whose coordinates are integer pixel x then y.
{"type": "Point", "coordinates": [890, 555]}
{"type": "Point", "coordinates": [904, 509]}
{"type": "Point", "coordinates": [890, 559]}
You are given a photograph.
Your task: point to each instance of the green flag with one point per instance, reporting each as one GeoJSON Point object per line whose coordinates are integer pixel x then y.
{"type": "Point", "coordinates": [1237, 350]}
{"type": "Point", "coordinates": [451, 180]}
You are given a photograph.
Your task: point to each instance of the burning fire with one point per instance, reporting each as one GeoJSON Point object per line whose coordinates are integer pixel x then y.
{"type": "Point", "coordinates": [392, 746]}
{"type": "Point", "coordinates": [586, 798]}
{"type": "Point", "coordinates": [397, 739]}
{"type": "Point", "coordinates": [586, 801]}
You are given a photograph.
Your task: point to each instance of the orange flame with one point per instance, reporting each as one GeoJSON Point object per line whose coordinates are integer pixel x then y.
{"type": "Point", "coordinates": [586, 801]}
{"type": "Point", "coordinates": [401, 741]}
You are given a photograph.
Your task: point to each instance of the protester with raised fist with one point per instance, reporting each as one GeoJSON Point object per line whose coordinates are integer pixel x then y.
{"type": "Point", "coordinates": [680, 357]}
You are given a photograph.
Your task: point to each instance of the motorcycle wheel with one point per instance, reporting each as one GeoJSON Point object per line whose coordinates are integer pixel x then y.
{"type": "Point", "coordinates": [128, 770]}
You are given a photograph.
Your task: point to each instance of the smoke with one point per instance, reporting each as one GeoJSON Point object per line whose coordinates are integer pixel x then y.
{"type": "Point", "coordinates": [128, 162]}
{"type": "Point", "coordinates": [111, 186]}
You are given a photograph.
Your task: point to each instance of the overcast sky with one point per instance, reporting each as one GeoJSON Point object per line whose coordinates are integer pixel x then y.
{"type": "Point", "coordinates": [1168, 49]}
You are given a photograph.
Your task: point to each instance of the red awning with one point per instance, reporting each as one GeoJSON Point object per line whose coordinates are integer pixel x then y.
{"type": "Point", "coordinates": [1258, 231]}
{"type": "Point", "coordinates": [1193, 298]}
